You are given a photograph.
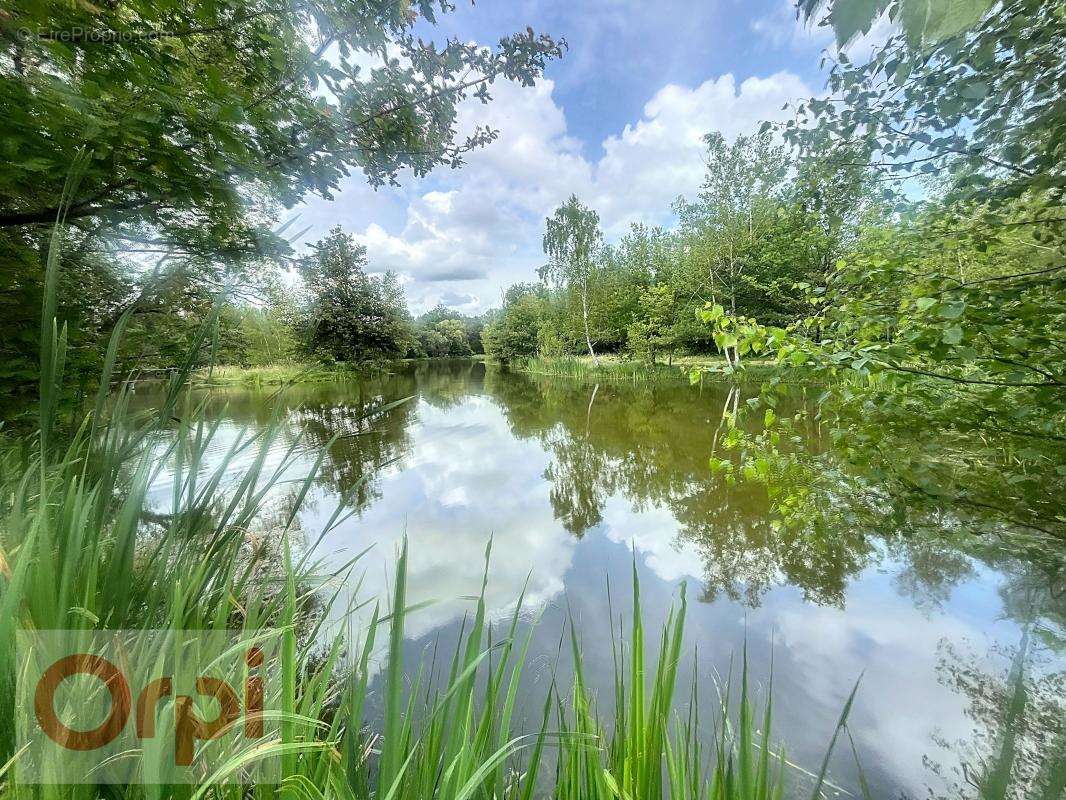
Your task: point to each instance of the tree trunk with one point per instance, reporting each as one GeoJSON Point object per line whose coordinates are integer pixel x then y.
{"type": "Point", "coordinates": [585, 315]}
{"type": "Point", "coordinates": [997, 777]}
{"type": "Point", "coordinates": [733, 298]}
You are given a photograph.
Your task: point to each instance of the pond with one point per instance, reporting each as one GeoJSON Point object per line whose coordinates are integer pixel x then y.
{"type": "Point", "coordinates": [959, 650]}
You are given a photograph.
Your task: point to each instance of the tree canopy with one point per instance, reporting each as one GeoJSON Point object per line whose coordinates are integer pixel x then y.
{"type": "Point", "coordinates": [572, 238]}
{"type": "Point", "coordinates": [352, 316]}
{"type": "Point", "coordinates": [200, 119]}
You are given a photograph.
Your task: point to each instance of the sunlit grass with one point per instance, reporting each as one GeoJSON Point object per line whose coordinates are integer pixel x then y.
{"type": "Point", "coordinates": [611, 368]}
{"type": "Point", "coordinates": [278, 375]}
{"type": "Point", "coordinates": [682, 368]}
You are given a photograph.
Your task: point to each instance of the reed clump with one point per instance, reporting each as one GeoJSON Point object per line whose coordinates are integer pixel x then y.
{"type": "Point", "coordinates": [682, 369]}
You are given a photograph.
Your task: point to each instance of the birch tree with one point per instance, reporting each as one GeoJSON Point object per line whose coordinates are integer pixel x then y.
{"type": "Point", "coordinates": [572, 239]}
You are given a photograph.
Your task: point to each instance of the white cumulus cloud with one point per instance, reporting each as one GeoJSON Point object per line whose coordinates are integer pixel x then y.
{"type": "Point", "coordinates": [469, 233]}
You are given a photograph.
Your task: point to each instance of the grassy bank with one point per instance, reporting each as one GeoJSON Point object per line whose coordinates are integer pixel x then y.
{"type": "Point", "coordinates": [680, 368]}
{"type": "Point", "coordinates": [300, 373]}
{"type": "Point", "coordinates": [611, 368]}
{"type": "Point", "coordinates": [278, 375]}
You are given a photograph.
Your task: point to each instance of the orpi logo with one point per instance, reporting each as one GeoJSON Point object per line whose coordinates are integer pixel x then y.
{"type": "Point", "coordinates": [140, 706]}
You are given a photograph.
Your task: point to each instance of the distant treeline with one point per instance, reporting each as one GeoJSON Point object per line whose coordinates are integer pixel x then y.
{"type": "Point", "coordinates": [755, 237]}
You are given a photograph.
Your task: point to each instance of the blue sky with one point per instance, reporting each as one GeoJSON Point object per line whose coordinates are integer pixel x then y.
{"type": "Point", "coordinates": [618, 121]}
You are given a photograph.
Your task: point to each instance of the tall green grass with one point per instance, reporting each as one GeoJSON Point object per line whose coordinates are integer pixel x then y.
{"type": "Point", "coordinates": [608, 370]}
{"type": "Point", "coordinates": [78, 550]}
{"type": "Point", "coordinates": [683, 369]}
{"type": "Point", "coordinates": [282, 374]}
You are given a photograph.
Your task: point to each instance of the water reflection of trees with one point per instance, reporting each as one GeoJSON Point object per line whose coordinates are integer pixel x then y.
{"type": "Point", "coordinates": [1016, 698]}
{"type": "Point", "coordinates": [651, 443]}
{"type": "Point", "coordinates": [360, 439]}
{"type": "Point", "coordinates": [648, 443]}
{"type": "Point", "coordinates": [445, 383]}
{"type": "Point", "coordinates": [930, 569]}
{"type": "Point", "coordinates": [358, 425]}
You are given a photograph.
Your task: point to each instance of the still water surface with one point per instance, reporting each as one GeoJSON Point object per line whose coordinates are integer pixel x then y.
{"type": "Point", "coordinates": [960, 653]}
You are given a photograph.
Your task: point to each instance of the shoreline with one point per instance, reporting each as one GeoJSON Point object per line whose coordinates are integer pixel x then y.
{"type": "Point", "coordinates": [612, 367]}
{"type": "Point", "coordinates": [299, 373]}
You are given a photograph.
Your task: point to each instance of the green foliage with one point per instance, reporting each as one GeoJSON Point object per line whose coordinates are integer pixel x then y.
{"type": "Point", "coordinates": [443, 332]}
{"type": "Point", "coordinates": [923, 20]}
{"type": "Point", "coordinates": [516, 331]}
{"type": "Point", "coordinates": [268, 332]}
{"type": "Point", "coordinates": [201, 118]}
{"type": "Point", "coordinates": [937, 111]}
{"type": "Point", "coordinates": [752, 240]}
{"type": "Point", "coordinates": [939, 333]}
{"type": "Point", "coordinates": [90, 292]}
{"type": "Point", "coordinates": [202, 121]}
{"type": "Point", "coordinates": [753, 234]}
{"type": "Point", "coordinates": [352, 316]}
{"type": "Point", "coordinates": [447, 338]}
{"type": "Point", "coordinates": [572, 240]}
{"type": "Point", "coordinates": [946, 366]}
{"type": "Point", "coordinates": [653, 331]}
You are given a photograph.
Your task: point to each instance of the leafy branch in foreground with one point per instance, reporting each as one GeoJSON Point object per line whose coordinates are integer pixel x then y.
{"type": "Point", "coordinates": [944, 367]}
{"type": "Point", "coordinates": [939, 335]}
{"type": "Point", "coordinates": [975, 104]}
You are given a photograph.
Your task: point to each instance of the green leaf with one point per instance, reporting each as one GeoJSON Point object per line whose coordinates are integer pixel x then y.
{"type": "Point", "coordinates": [851, 18]}
{"type": "Point", "coordinates": [953, 310]}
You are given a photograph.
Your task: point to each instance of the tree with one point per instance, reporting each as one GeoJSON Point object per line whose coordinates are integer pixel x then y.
{"type": "Point", "coordinates": [654, 329]}
{"type": "Point", "coordinates": [91, 289]}
{"type": "Point", "coordinates": [444, 339]}
{"type": "Point", "coordinates": [941, 332]}
{"type": "Point", "coordinates": [429, 331]}
{"type": "Point", "coordinates": [738, 202]}
{"type": "Point", "coordinates": [514, 332]}
{"type": "Point", "coordinates": [571, 240]}
{"type": "Point", "coordinates": [191, 125]}
{"type": "Point", "coordinates": [200, 117]}
{"type": "Point", "coordinates": [269, 333]}
{"type": "Point", "coordinates": [454, 333]}
{"type": "Point", "coordinates": [352, 316]}
{"type": "Point", "coordinates": [624, 271]}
